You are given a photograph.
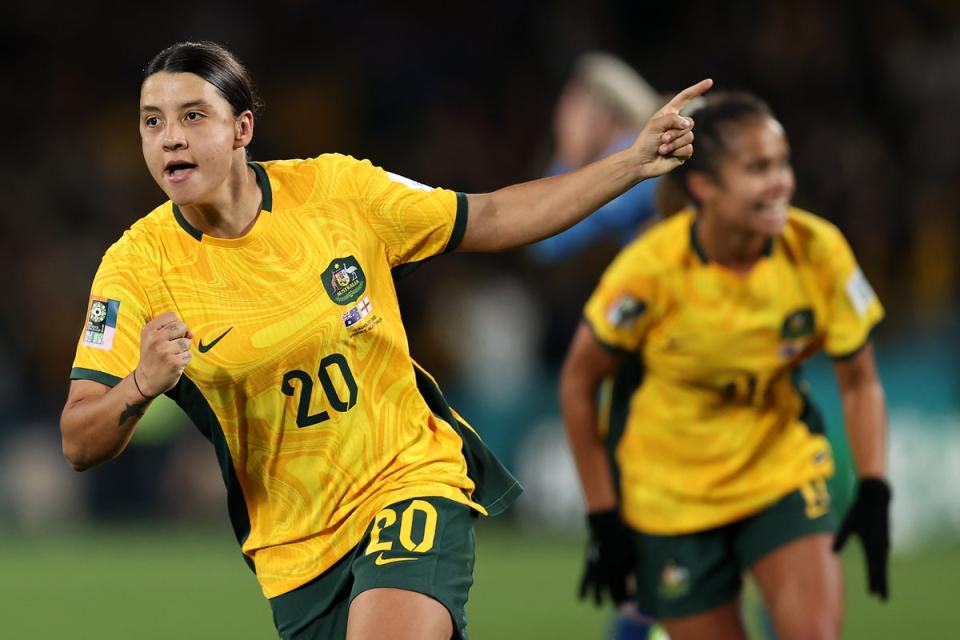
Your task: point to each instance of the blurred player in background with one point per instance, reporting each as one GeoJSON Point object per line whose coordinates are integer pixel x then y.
{"type": "Point", "coordinates": [600, 111]}
{"type": "Point", "coordinates": [260, 298]}
{"type": "Point", "coordinates": [723, 461]}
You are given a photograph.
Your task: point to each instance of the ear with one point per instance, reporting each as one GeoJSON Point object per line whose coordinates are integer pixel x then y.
{"type": "Point", "coordinates": [243, 130]}
{"type": "Point", "coordinates": [702, 185]}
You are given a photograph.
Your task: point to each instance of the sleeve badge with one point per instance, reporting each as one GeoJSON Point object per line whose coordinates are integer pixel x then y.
{"type": "Point", "coordinates": [623, 313]}
{"type": "Point", "coordinates": [101, 323]}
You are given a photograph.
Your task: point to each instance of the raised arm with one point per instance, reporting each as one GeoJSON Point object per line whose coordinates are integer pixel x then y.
{"type": "Point", "coordinates": [528, 212]}
{"type": "Point", "coordinates": [98, 421]}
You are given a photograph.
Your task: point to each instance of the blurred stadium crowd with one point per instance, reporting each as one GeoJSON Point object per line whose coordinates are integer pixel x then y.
{"type": "Point", "coordinates": [460, 95]}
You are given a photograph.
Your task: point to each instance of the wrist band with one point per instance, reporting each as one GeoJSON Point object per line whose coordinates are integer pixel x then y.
{"type": "Point", "coordinates": [137, 385]}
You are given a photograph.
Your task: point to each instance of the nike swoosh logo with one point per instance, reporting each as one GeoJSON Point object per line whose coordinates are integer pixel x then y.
{"type": "Point", "coordinates": [206, 347]}
{"type": "Point", "coordinates": [380, 560]}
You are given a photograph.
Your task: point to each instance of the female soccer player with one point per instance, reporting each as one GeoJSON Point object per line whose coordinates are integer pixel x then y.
{"type": "Point", "coordinates": [723, 462]}
{"type": "Point", "coordinates": [260, 298]}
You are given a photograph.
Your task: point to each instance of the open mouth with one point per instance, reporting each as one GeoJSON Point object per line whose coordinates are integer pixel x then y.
{"type": "Point", "coordinates": [179, 170]}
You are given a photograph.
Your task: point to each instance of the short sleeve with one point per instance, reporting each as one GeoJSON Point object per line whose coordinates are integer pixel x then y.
{"type": "Point", "coordinates": [622, 307]}
{"type": "Point", "coordinates": [852, 306]}
{"type": "Point", "coordinates": [109, 346]}
{"type": "Point", "coordinates": [415, 221]}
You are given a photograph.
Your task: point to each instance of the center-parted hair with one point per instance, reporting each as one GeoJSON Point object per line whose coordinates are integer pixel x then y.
{"type": "Point", "coordinates": [216, 65]}
{"type": "Point", "coordinates": [719, 116]}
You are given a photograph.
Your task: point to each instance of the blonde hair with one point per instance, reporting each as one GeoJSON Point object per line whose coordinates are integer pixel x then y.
{"type": "Point", "coordinates": [615, 83]}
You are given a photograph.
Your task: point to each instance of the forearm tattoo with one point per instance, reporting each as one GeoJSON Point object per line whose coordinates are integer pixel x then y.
{"type": "Point", "coordinates": [132, 411]}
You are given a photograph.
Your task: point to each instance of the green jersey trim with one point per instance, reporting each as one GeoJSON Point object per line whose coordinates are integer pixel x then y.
{"type": "Point", "coordinates": [266, 203]}
{"type": "Point", "coordinates": [613, 349]}
{"type": "Point", "coordinates": [266, 192]}
{"type": "Point", "coordinates": [810, 414]}
{"type": "Point", "coordinates": [79, 373]}
{"type": "Point", "coordinates": [459, 224]}
{"type": "Point", "coordinates": [625, 382]}
{"type": "Point", "coordinates": [852, 353]}
{"type": "Point", "coordinates": [495, 488]}
{"type": "Point", "coordinates": [698, 248]}
{"type": "Point", "coordinates": [456, 237]}
{"type": "Point", "coordinates": [189, 398]}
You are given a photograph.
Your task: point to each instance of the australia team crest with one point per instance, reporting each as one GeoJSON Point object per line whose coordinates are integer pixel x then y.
{"type": "Point", "coordinates": [344, 280]}
{"type": "Point", "coordinates": [797, 332]}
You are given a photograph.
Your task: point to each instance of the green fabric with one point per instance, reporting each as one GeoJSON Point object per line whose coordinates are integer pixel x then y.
{"type": "Point", "coordinates": [679, 576]}
{"type": "Point", "coordinates": [189, 398]}
{"type": "Point", "coordinates": [496, 489]}
{"type": "Point", "coordinates": [318, 610]}
{"type": "Point", "coordinates": [79, 373]}
{"type": "Point", "coordinates": [626, 380]}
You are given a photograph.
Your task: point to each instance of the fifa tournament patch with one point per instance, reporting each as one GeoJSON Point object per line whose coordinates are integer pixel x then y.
{"type": "Point", "coordinates": [344, 280]}
{"type": "Point", "coordinates": [624, 311]}
{"type": "Point", "coordinates": [101, 323]}
{"type": "Point", "coordinates": [860, 292]}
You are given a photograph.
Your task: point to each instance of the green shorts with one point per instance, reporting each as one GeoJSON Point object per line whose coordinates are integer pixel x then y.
{"type": "Point", "coordinates": [424, 545]}
{"type": "Point", "coordinates": [683, 575]}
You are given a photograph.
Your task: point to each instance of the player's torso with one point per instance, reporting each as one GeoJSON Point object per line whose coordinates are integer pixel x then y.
{"type": "Point", "coordinates": [726, 336]}
{"type": "Point", "coordinates": [300, 353]}
{"type": "Point", "coordinates": [714, 427]}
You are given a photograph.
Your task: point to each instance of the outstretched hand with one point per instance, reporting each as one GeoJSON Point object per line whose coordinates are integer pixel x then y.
{"type": "Point", "coordinates": [666, 140]}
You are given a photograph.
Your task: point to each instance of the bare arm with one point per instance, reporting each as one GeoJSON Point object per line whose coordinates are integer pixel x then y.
{"type": "Point", "coordinates": [864, 411]}
{"type": "Point", "coordinates": [584, 369]}
{"type": "Point", "coordinates": [528, 212]}
{"type": "Point", "coordinates": [97, 422]}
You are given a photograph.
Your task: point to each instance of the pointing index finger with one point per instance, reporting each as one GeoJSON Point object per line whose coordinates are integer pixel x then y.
{"type": "Point", "coordinates": [683, 98]}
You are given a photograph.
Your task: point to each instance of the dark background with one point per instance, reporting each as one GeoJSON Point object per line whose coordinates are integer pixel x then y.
{"type": "Point", "coordinates": [460, 95]}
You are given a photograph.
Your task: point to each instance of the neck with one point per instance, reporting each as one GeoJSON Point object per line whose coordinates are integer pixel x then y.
{"type": "Point", "coordinates": [735, 249]}
{"type": "Point", "coordinates": [232, 210]}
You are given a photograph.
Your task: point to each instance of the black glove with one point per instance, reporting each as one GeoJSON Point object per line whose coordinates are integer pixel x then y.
{"type": "Point", "coordinates": [611, 557]}
{"type": "Point", "coordinates": [869, 518]}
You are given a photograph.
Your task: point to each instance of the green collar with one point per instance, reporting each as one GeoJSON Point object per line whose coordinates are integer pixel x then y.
{"type": "Point", "coordinates": [266, 203]}
{"type": "Point", "coordinates": [698, 248]}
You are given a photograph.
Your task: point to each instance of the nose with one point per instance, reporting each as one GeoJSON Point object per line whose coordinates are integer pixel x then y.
{"type": "Point", "coordinates": [174, 139]}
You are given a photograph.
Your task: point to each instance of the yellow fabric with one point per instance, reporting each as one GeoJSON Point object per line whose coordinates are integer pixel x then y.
{"type": "Point", "coordinates": [713, 432]}
{"type": "Point", "coordinates": [310, 491]}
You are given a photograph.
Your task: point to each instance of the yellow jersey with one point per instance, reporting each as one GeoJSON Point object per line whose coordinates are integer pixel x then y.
{"type": "Point", "coordinates": [717, 427]}
{"type": "Point", "coordinates": [301, 376]}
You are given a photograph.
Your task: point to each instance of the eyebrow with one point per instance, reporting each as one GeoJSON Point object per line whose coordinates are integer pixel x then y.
{"type": "Point", "coordinates": [185, 105]}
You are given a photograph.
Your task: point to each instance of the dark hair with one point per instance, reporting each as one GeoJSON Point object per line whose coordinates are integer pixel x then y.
{"type": "Point", "coordinates": [214, 64]}
{"type": "Point", "coordinates": [714, 119]}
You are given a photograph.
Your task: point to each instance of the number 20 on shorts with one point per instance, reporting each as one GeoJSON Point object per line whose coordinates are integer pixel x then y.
{"type": "Point", "coordinates": [388, 517]}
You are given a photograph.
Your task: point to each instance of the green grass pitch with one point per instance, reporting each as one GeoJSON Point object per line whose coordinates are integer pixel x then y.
{"type": "Point", "coordinates": [173, 583]}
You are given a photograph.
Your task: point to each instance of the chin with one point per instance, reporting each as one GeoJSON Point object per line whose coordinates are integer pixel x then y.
{"type": "Point", "coordinates": [774, 227]}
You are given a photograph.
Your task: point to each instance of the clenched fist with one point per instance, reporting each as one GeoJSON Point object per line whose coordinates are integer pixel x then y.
{"type": "Point", "coordinates": [165, 345]}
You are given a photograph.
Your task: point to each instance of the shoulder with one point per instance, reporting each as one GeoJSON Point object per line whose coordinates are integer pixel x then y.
{"type": "Point", "coordinates": [300, 180]}
{"type": "Point", "coordinates": [663, 247]}
{"type": "Point", "coordinates": [816, 239]}
{"type": "Point", "coordinates": [143, 243]}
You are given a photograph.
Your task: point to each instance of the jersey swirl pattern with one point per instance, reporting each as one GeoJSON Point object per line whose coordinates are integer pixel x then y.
{"type": "Point", "coordinates": [305, 384]}
{"type": "Point", "coordinates": [717, 425]}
